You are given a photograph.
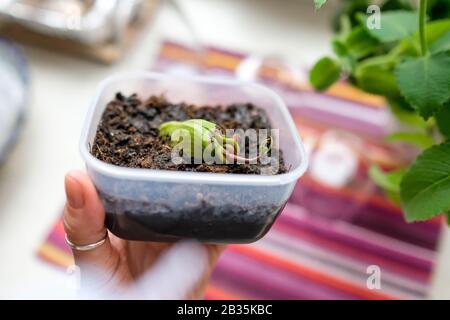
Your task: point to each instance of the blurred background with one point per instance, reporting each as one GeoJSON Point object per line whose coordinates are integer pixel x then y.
{"type": "Point", "coordinates": [337, 224]}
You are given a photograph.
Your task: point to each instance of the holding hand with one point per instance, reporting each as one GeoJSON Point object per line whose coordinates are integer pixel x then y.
{"type": "Point", "coordinates": [115, 268]}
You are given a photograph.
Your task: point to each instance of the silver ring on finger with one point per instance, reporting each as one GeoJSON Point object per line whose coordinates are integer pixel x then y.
{"type": "Point", "coordinates": [86, 247]}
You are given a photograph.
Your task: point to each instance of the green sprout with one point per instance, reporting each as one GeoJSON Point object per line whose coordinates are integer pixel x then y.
{"type": "Point", "coordinates": [190, 132]}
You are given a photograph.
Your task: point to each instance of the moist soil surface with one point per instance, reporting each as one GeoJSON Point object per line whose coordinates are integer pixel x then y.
{"type": "Point", "coordinates": [127, 134]}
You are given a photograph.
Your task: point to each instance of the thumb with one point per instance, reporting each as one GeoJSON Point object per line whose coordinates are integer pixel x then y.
{"type": "Point", "coordinates": [84, 219]}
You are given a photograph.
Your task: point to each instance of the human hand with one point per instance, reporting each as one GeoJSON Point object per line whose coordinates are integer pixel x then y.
{"type": "Point", "coordinates": [131, 269]}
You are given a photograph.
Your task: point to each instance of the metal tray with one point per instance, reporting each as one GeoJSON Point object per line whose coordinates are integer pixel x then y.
{"type": "Point", "coordinates": [86, 21]}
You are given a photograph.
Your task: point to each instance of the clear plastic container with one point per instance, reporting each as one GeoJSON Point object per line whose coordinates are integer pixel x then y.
{"type": "Point", "coordinates": [159, 205]}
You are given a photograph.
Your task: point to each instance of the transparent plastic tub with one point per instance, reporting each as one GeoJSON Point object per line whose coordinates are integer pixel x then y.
{"type": "Point", "coordinates": [160, 205]}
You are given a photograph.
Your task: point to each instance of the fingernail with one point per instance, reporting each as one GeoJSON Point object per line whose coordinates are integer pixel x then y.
{"type": "Point", "coordinates": [74, 192]}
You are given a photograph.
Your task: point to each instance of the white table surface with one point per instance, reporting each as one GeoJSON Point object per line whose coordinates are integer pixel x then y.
{"type": "Point", "coordinates": [31, 182]}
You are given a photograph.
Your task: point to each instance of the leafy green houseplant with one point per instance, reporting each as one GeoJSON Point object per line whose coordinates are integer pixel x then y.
{"type": "Point", "coordinates": [406, 59]}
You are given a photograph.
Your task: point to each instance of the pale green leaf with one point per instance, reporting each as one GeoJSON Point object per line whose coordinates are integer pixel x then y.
{"type": "Point", "coordinates": [395, 25]}
{"type": "Point", "coordinates": [389, 181]}
{"type": "Point", "coordinates": [436, 29]}
{"type": "Point", "coordinates": [393, 196]}
{"type": "Point", "coordinates": [433, 30]}
{"type": "Point", "coordinates": [419, 139]}
{"type": "Point", "coordinates": [319, 3]}
{"type": "Point", "coordinates": [441, 44]}
{"type": "Point", "coordinates": [408, 116]}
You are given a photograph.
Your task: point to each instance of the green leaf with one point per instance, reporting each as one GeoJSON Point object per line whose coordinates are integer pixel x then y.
{"type": "Point", "coordinates": [377, 80]}
{"type": "Point", "coordinates": [393, 196]}
{"type": "Point", "coordinates": [319, 3]}
{"type": "Point", "coordinates": [406, 115]}
{"type": "Point", "coordinates": [349, 10]}
{"type": "Point", "coordinates": [344, 25]}
{"type": "Point", "coordinates": [389, 181]}
{"type": "Point", "coordinates": [387, 61]}
{"type": "Point", "coordinates": [436, 29]}
{"type": "Point", "coordinates": [425, 82]}
{"type": "Point", "coordinates": [443, 120]}
{"type": "Point", "coordinates": [419, 139]}
{"type": "Point", "coordinates": [425, 188]}
{"type": "Point", "coordinates": [347, 60]}
{"type": "Point", "coordinates": [339, 48]}
{"type": "Point", "coordinates": [325, 72]}
{"type": "Point", "coordinates": [433, 30]}
{"type": "Point", "coordinates": [360, 43]}
{"type": "Point", "coordinates": [441, 44]}
{"type": "Point", "coordinates": [395, 25]}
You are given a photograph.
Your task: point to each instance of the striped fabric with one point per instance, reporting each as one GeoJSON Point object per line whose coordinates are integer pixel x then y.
{"type": "Point", "coordinates": [324, 243]}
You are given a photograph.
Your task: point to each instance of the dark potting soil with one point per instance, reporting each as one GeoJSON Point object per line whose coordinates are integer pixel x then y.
{"type": "Point", "coordinates": [127, 134]}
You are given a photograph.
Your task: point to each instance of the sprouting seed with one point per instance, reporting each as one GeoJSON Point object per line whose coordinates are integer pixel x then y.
{"type": "Point", "coordinates": [206, 132]}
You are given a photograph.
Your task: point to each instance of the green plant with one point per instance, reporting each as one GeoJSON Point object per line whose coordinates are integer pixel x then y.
{"type": "Point", "coordinates": [197, 135]}
{"type": "Point", "coordinates": [407, 61]}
